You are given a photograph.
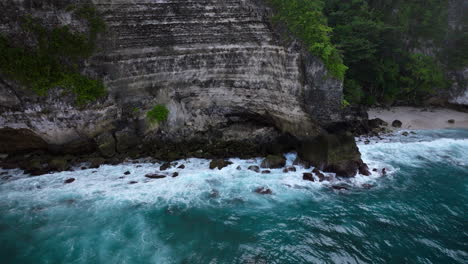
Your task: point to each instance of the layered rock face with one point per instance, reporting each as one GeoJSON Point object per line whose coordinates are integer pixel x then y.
{"type": "Point", "coordinates": [223, 69]}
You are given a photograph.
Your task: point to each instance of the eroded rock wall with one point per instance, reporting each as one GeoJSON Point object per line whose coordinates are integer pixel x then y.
{"type": "Point", "coordinates": [222, 68]}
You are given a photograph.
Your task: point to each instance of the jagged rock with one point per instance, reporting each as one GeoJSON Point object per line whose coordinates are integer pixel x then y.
{"type": "Point", "coordinates": [263, 190]}
{"type": "Point", "coordinates": [155, 176]}
{"type": "Point", "coordinates": [340, 188]}
{"type": "Point", "coordinates": [333, 153]}
{"type": "Point", "coordinates": [96, 162]}
{"type": "Point", "coordinates": [175, 174]}
{"type": "Point", "coordinates": [319, 174]}
{"type": "Point", "coordinates": [125, 139]}
{"type": "Point", "coordinates": [19, 140]}
{"type": "Point", "coordinates": [182, 166]}
{"type": "Point", "coordinates": [273, 162]}
{"type": "Point", "coordinates": [219, 163]}
{"type": "Point", "coordinates": [299, 162]}
{"type": "Point", "coordinates": [376, 123]}
{"type": "Point", "coordinates": [308, 177]}
{"type": "Point", "coordinates": [58, 164]}
{"type": "Point", "coordinates": [254, 168]}
{"type": "Point", "coordinates": [165, 166]}
{"type": "Point", "coordinates": [364, 169]}
{"type": "Point", "coordinates": [397, 123]}
{"type": "Point", "coordinates": [69, 180]}
{"type": "Point", "coordinates": [106, 144]}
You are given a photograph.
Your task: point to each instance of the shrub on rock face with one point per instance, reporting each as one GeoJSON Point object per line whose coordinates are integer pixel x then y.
{"type": "Point", "coordinates": [159, 113]}
{"type": "Point", "coordinates": [273, 162]}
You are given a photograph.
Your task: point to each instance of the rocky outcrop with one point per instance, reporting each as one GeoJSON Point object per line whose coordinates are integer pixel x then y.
{"type": "Point", "coordinates": [233, 82]}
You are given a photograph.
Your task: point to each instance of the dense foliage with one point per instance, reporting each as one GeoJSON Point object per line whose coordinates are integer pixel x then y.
{"type": "Point", "coordinates": [54, 57]}
{"type": "Point", "coordinates": [159, 113]}
{"type": "Point", "coordinates": [381, 42]}
{"type": "Point", "coordinates": [306, 20]}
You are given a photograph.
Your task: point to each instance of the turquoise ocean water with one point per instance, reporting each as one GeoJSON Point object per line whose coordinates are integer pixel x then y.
{"type": "Point", "coordinates": [417, 213]}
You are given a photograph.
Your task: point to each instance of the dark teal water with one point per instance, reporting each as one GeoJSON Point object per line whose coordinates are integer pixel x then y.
{"type": "Point", "coordinates": [415, 214]}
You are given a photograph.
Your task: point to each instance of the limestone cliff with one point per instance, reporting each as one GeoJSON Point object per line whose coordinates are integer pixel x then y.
{"type": "Point", "coordinates": [223, 69]}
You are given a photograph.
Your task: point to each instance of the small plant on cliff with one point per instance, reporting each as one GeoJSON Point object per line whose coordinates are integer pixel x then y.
{"type": "Point", "coordinates": [159, 113]}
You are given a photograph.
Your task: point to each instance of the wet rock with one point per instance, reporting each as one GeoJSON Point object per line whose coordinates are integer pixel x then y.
{"type": "Point", "coordinates": [397, 123]}
{"type": "Point", "coordinates": [263, 190]}
{"type": "Point", "coordinates": [405, 134]}
{"type": "Point", "coordinates": [319, 174]}
{"type": "Point", "coordinates": [273, 162]}
{"type": "Point", "coordinates": [374, 169]}
{"type": "Point", "coordinates": [121, 177]}
{"type": "Point", "coordinates": [364, 170]}
{"type": "Point", "coordinates": [219, 163]}
{"type": "Point", "coordinates": [69, 180]}
{"type": "Point", "coordinates": [139, 166]}
{"type": "Point", "coordinates": [127, 173]}
{"type": "Point", "coordinates": [376, 123]}
{"type": "Point", "coordinates": [132, 182]}
{"type": "Point", "coordinates": [340, 188]}
{"type": "Point", "coordinates": [96, 162]}
{"type": "Point", "coordinates": [254, 168]}
{"type": "Point", "coordinates": [384, 171]}
{"type": "Point", "coordinates": [289, 169]}
{"type": "Point", "coordinates": [165, 166]}
{"type": "Point", "coordinates": [239, 168]}
{"type": "Point", "coordinates": [182, 166]}
{"type": "Point", "coordinates": [155, 176]}
{"type": "Point", "coordinates": [83, 168]}
{"type": "Point", "coordinates": [299, 162]}
{"type": "Point", "coordinates": [175, 174]}
{"type": "Point", "coordinates": [451, 121]}
{"type": "Point", "coordinates": [308, 177]}
{"type": "Point", "coordinates": [266, 172]}
{"type": "Point", "coordinates": [333, 153]}
{"type": "Point", "coordinates": [58, 164]}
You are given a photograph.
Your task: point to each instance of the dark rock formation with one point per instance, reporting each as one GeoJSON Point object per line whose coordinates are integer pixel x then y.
{"type": "Point", "coordinates": [273, 162]}
{"type": "Point", "coordinates": [308, 177]}
{"type": "Point", "coordinates": [67, 181]}
{"type": "Point", "coordinates": [254, 168]}
{"type": "Point", "coordinates": [155, 176]}
{"type": "Point", "coordinates": [292, 168]}
{"type": "Point", "coordinates": [182, 166]}
{"type": "Point", "coordinates": [319, 174]}
{"type": "Point", "coordinates": [219, 163]}
{"type": "Point", "coordinates": [397, 123]}
{"type": "Point", "coordinates": [333, 153]}
{"type": "Point", "coordinates": [165, 166]}
{"type": "Point", "coordinates": [263, 190]}
{"type": "Point", "coordinates": [127, 173]}
{"type": "Point", "coordinates": [266, 172]}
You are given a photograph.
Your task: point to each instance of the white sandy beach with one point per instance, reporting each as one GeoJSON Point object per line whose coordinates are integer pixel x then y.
{"type": "Point", "coordinates": [419, 118]}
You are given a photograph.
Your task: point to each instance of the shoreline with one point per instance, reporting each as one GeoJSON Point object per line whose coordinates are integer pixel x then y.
{"type": "Point", "coordinates": [415, 118]}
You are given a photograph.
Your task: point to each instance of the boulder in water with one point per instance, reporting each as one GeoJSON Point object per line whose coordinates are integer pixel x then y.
{"type": "Point", "coordinates": [219, 163]}
{"type": "Point", "coordinates": [127, 173]}
{"type": "Point", "coordinates": [155, 176]}
{"type": "Point", "coordinates": [266, 172]}
{"type": "Point", "coordinates": [263, 190]}
{"type": "Point", "coordinates": [165, 166]}
{"type": "Point", "coordinates": [69, 180]}
{"type": "Point", "coordinates": [273, 162]}
{"type": "Point", "coordinates": [254, 168]}
{"type": "Point", "coordinates": [182, 166]}
{"type": "Point", "coordinates": [308, 177]}
{"type": "Point", "coordinates": [319, 174]}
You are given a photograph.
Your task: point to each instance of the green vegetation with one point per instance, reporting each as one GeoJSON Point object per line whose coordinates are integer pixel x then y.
{"type": "Point", "coordinates": [306, 20]}
{"type": "Point", "coordinates": [55, 57]}
{"type": "Point", "coordinates": [378, 41]}
{"type": "Point", "coordinates": [159, 113]}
